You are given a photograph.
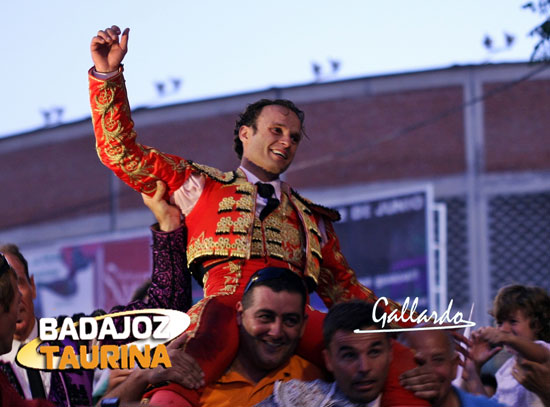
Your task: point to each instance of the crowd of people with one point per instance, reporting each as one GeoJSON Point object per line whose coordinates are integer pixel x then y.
{"type": "Point", "coordinates": [259, 249]}
{"type": "Point", "coordinates": [266, 370]}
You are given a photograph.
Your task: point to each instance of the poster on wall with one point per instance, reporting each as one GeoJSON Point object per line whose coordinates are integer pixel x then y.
{"type": "Point", "coordinates": [82, 277]}
{"type": "Point", "coordinates": [386, 240]}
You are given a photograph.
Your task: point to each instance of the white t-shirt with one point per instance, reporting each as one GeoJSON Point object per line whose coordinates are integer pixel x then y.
{"type": "Point", "coordinates": [510, 391]}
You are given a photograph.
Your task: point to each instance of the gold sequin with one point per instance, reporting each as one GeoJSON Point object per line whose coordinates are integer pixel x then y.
{"type": "Point", "coordinates": [202, 246]}
{"type": "Point", "coordinates": [226, 204]}
{"type": "Point", "coordinates": [246, 188]}
{"type": "Point", "coordinates": [245, 204]}
{"type": "Point", "coordinates": [224, 225]}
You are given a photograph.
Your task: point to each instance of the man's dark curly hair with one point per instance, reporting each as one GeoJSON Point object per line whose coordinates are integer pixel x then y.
{"type": "Point", "coordinates": [250, 115]}
{"type": "Point", "coordinates": [534, 302]}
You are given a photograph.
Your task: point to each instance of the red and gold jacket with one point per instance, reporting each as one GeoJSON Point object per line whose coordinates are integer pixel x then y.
{"type": "Point", "coordinates": [222, 223]}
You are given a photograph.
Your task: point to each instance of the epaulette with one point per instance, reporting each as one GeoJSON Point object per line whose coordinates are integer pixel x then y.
{"type": "Point", "coordinates": [332, 214]}
{"type": "Point", "coordinates": [214, 173]}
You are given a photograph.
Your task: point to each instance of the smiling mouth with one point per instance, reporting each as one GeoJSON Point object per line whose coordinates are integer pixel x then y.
{"type": "Point", "coordinates": [272, 347]}
{"type": "Point", "coordinates": [280, 154]}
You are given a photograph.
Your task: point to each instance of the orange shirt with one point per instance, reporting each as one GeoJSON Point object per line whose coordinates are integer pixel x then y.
{"type": "Point", "coordinates": [232, 389]}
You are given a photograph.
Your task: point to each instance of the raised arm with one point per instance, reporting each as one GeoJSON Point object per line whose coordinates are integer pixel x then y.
{"type": "Point", "coordinates": [167, 215]}
{"type": "Point", "coordinates": [170, 281]}
{"type": "Point", "coordinates": [108, 49]}
{"type": "Point", "coordinates": [137, 165]}
{"type": "Point", "coordinates": [526, 348]}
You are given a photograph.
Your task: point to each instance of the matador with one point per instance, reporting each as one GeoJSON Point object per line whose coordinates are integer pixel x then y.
{"type": "Point", "coordinates": [232, 231]}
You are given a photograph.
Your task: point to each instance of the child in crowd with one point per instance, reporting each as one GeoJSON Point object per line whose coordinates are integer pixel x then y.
{"type": "Point", "coordinates": [522, 315]}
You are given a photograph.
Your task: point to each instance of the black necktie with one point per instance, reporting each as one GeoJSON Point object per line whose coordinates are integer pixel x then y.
{"type": "Point", "coordinates": [267, 191]}
{"type": "Point", "coordinates": [37, 388]}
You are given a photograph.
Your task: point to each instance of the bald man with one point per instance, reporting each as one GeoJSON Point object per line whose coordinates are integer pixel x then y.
{"type": "Point", "coordinates": [436, 349]}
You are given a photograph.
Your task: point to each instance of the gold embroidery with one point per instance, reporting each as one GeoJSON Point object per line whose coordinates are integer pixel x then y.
{"type": "Point", "coordinates": [275, 250]}
{"type": "Point", "coordinates": [316, 232]}
{"type": "Point", "coordinates": [277, 236]}
{"type": "Point", "coordinates": [133, 163]}
{"type": "Point", "coordinates": [245, 204]}
{"type": "Point", "coordinates": [214, 173]}
{"type": "Point", "coordinates": [292, 235]}
{"type": "Point", "coordinates": [226, 204]}
{"type": "Point", "coordinates": [332, 214]}
{"type": "Point", "coordinates": [224, 225]}
{"type": "Point", "coordinates": [311, 226]}
{"type": "Point", "coordinates": [202, 246]}
{"type": "Point", "coordinates": [195, 314]}
{"type": "Point", "coordinates": [330, 290]}
{"type": "Point", "coordinates": [313, 242]}
{"type": "Point", "coordinates": [277, 255]}
{"type": "Point", "coordinates": [273, 240]}
{"type": "Point", "coordinates": [317, 254]}
{"type": "Point", "coordinates": [232, 278]}
{"type": "Point", "coordinates": [233, 275]}
{"type": "Point", "coordinates": [257, 249]}
{"type": "Point", "coordinates": [272, 236]}
{"type": "Point", "coordinates": [242, 224]}
{"type": "Point", "coordinates": [246, 188]}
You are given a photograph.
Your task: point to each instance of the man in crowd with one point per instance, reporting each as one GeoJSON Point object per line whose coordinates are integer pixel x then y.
{"type": "Point", "coordinates": [63, 388]}
{"type": "Point", "coordinates": [271, 319]}
{"type": "Point", "coordinates": [237, 222]}
{"type": "Point", "coordinates": [10, 299]}
{"type": "Point", "coordinates": [437, 350]}
{"type": "Point", "coordinates": [170, 288]}
{"type": "Point", "coordinates": [359, 362]}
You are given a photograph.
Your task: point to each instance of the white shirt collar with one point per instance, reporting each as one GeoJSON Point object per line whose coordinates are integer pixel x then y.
{"type": "Point", "coordinates": [253, 179]}
{"type": "Point", "coordinates": [34, 332]}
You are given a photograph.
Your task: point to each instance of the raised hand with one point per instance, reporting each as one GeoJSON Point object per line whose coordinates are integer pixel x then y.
{"type": "Point", "coordinates": [492, 335]}
{"type": "Point", "coordinates": [534, 377]}
{"type": "Point", "coordinates": [168, 216]}
{"type": "Point", "coordinates": [185, 370]}
{"type": "Point", "coordinates": [483, 348]}
{"type": "Point", "coordinates": [422, 381]}
{"type": "Point", "coordinates": [462, 345]}
{"type": "Point", "coordinates": [108, 48]}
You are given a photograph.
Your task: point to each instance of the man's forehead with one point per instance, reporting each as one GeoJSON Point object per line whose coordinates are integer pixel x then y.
{"type": "Point", "coordinates": [430, 342]}
{"type": "Point", "coordinates": [278, 113]}
{"type": "Point", "coordinates": [343, 338]}
{"type": "Point", "coordinates": [265, 298]}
